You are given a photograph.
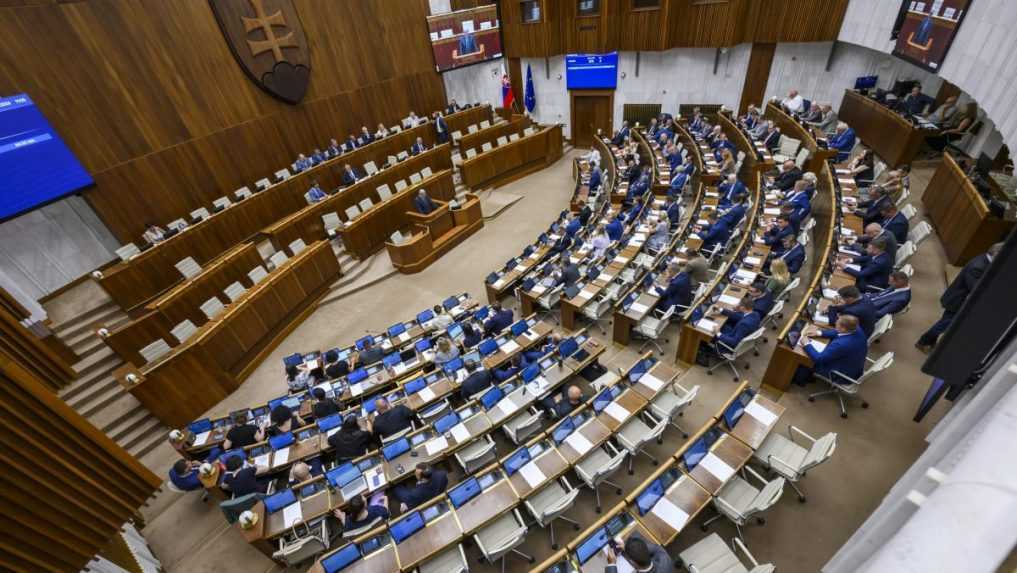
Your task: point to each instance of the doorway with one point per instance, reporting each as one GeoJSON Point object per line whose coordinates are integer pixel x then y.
{"type": "Point", "coordinates": [591, 110]}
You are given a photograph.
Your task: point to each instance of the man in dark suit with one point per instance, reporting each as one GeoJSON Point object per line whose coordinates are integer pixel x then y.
{"type": "Point", "coordinates": [915, 103]}
{"type": "Point", "coordinates": [585, 212]}
{"type": "Point", "coordinates": [564, 403]}
{"type": "Point", "coordinates": [615, 228]}
{"type": "Point", "coordinates": [798, 198]}
{"type": "Point", "coordinates": [452, 107]}
{"type": "Point", "coordinates": [844, 353]}
{"type": "Point", "coordinates": [894, 222]}
{"type": "Point", "coordinates": [430, 483]}
{"type": "Point", "coordinates": [441, 127]}
{"type": "Point", "coordinates": [501, 318]}
{"type": "Point", "coordinates": [423, 202]}
{"type": "Point", "coordinates": [730, 188]}
{"type": "Point", "coordinates": [715, 234]}
{"type": "Point", "coordinates": [894, 299]}
{"type": "Point", "coordinates": [852, 302]}
{"type": "Point", "coordinates": [874, 267]}
{"type": "Point", "coordinates": [418, 147]}
{"type": "Point", "coordinates": [742, 321]}
{"type": "Point", "coordinates": [771, 139]}
{"type": "Point", "coordinates": [370, 354]}
{"type": "Point", "coordinates": [390, 419]}
{"type": "Point", "coordinates": [776, 233]}
{"type": "Point", "coordinates": [334, 149]}
{"type": "Point", "coordinates": [365, 137]}
{"type": "Point", "coordinates": [477, 380]}
{"type": "Point", "coordinates": [596, 176]}
{"type": "Point", "coordinates": [762, 299]}
{"type": "Point", "coordinates": [843, 141]}
{"type": "Point", "coordinates": [789, 175]}
{"type": "Point", "coordinates": [870, 209]}
{"type": "Point", "coordinates": [875, 231]}
{"type": "Point", "coordinates": [621, 134]}
{"type": "Point", "coordinates": [733, 215]}
{"type": "Point", "coordinates": [792, 252]}
{"type": "Point", "coordinates": [350, 144]}
{"type": "Point", "coordinates": [350, 175]}
{"type": "Point", "coordinates": [955, 295]}
{"type": "Point", "coordinates": [569, 272]}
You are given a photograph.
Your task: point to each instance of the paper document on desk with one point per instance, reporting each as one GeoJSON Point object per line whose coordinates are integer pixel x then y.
{"type": "Point", "coordinates": [617, 412]}
{"type": "Point", "coordinates": [281, 457]}
{"type": "Point", "coordinates": [426, 394]}
{"type": "Point", "coordinates": [507, 406]}
{"type": "Point", "coordinates": [712, 194]}
{"type": "Point", "coordinates": [263, 461]}
{"type": "Point", "coordinates": [520, 268]}
{"type": "Point", "coordinates": [651, 382]}
{"type": "Point", "coordinates": [728, 299]}
{"type": "Point", "coordinates": [820, 318]}
{"type": "Point", "coordinates": [404, 336]}
{"type": "Point", "coordinates": [830, 293]}
{"type": "Point", "coordinates": [529, 334]}
{"type": "Point", "coordinates": [585, 294]}
{"type": "Point", "coordinates": [539, 289]}
{"type": "Point", "coordinates": [436, 445]}
{"type": "Point", "coordinates": [532, 474]}
{"type": "Point", "coordinates": [356, 389]}
{"type": "Point", "coordinates": [818, 346]}
{"type": "Point", "coordinates": [717, 467]}
{"type": "Point", "coordinates": [853, 267]}
{"type": "Point", "coordinates": [761, 414]}
{"type": "Point", "coordinates": [399, 369]}
{"type": "Point", "coordinates": [460, 433]}
{"type": "Point", "coordinates": [747, 276]}
{"type": "Point", "coordinates": [670, 514]}
{"type": "Point", "coordinates": [843, 172]}
{"type": "Point", "coordinates": [702, 222]}
{"type": "Point", "coordinates": [639, 308]}
{"type": "Point", "coordinates": [769, 211]}
{"type": "Point", "coordinates": [292, 514]}
{"type": "Point", "coordinates": [201, 438]}
{"type": "Point", "coordinates": [695, 236]}
{"type": "Point", "coordinates": [846, 251]}
{"type": "Point", "coordinates": [753, 261]}
{"type": "Point", "coordinates": [579, 443]}
{"type": "Point", "coordinates": [845, 181]}
{"type": "Point", "coordinates": [707, 325]}
{"type": "Point", "coordinates": [510, 346]}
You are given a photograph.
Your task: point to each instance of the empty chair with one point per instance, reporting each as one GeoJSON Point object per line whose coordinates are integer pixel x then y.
{"type": "Point", "coordinates": [234, 291]}
{"type": "Point", "coordinates": [365, 204]}
{"type": "Point", "coordinates": [296, 550]}
{"type": "Point", "coordinates": [184, 330]}
{"type": "Point", "coordinates": [242, 193]}
{"type": "Point", "coordinates": [352, 212]}
{"type": "Point", "coordinates": [477, 454]}
{"type": "Point", "coordinates": [904, 253]}
{"type": "Point", "coordinates": [154, 351]}
{"type": "Point", "coordinates": [384, 192]}
{"type": "Point", "coordinates": [600, 309]}
{"type": "Point", "coordinates": [771, 318]}
{"type": "Point", "coordinates": [791, 286]}
{"type": "Point", "coordinates": [523, 425]}
{"type": "Point", "coordinates": [200, 214]}
{"type": "Point", "coordinates": [188, 267]}
{"type": "Point", "coordinates": [370, 168]}
{"type": "Point", "coordinates": [426, 172]}
{"type": "Point", "coordinates": [400, 185]}
{"type": "Point", "coordinates": [257, 274]}
{"type": "Point", "coordinates": [392, 160]}
{"type": "Point", "coordinates": [221, 203]}
{"type": "Point", "coordinates": [502, 140]}
{"type": "Point", "coordinates": [332, 223]}
{"type": "Point", "coordinates": [212, 307]}
{"type": "Point", "coordinates": [262, 184]}
{"type": "Point", "coordinates": [803, 156]}
{"type": "Point", "coordinates": [550, 503]}
{"type": "Point", "coordinates": [788, 149]}
{"type": "Point", "coordinates": [402, 155]}
{"type": "Point", "coordinates": [599, 465]}
{"type": "Point", "coordinates": [297, 245]}
{"type": "Point", "coordinates": [472, 129]}
{"type": "Point", "coordinates": [178, 224]}
{"type": "Point", "coordinates": [513, 136]}
{"type": "Point", "coordinates": [919, 233]}
{"type": "Point", "coordinates": [456, 136]}
{"type": "Point", "coordinates": [728, 355]}
{"type": "Point", "coordinates": [845, 386]}
{"type": "Point", "coordinates": [739, 500]}
{"type": "Point", "coordinates": [792, 459]}
{"type": "Point", "coordinates": [415, 178]}
{"type": "Point", "coordinates": [712, 555]}
{"type": "Point", "coordinates": [882, 326]}
{"type": "Point", "coordinates": [283, 174]}
{"type": "Point", "coordinates": [909, 211]}
{"type": "Point", "coordinates": [529, 130]}
{"type": "Point", "coordinates": [471, 153]}
{"type": "Point", "coordinates": [127, 251]}
{"type": "Point", "coordinates": [396, 129]}
{"type": "Point", "coordinates": [451, 560]}
{"type": "Point", "coordinates": [652, 328]}
{"type": "Point", "coordinates": [548, 301]}
{"type": "Point", "coordinates": [502, 536]}
{"type": "Point", "coordinates": [486, 146]}
{"type": "Point", "coordinates": [485, 124]}
{"type": "Point", "coordinates": [671, 402]}
{"type": "Point", "coordinates": [905, 194]}
{"type": "Point", "coordinates": [277, 259]}
{"type": "Point", "coordinates": [635, 434]}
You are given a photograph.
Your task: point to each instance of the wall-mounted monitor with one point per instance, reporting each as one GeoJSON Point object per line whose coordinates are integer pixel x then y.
{"type": "Point", "coordinates": [591, 71]}
{"type": "Point", "coordinates": [927, 29]}
{"type": "Point", "coordinates": [465, 37]}
{"type": "Point", "coordinates": [36, 165]}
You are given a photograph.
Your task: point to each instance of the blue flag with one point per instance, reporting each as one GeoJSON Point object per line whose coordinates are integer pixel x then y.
{"type": "Point", "coordinates": [531, 97]}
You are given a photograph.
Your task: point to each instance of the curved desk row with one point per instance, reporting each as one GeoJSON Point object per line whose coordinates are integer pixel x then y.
{"type": "Point", "coordinates": [491, 133]}
{"type": "Point", "coordinates": [514, 159]}
{"type": "Point", "coordinates": [818, 156]}
{"type": "Point", "coordinates": [892, 137]}
{"type": "Point", "coordinates": [435, 234]}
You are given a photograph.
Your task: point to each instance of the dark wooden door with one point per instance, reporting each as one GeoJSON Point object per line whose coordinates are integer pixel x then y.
{"type": "Point", "coordinates": [591, 110]}
{"type": "Point", "coordinates": [757, 76]}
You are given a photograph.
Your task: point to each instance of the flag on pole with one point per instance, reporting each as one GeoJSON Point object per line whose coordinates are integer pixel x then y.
{"type": "Point", "coordinates": [530, 99]}
{"type": "Point", "coordinates": [507, 98]}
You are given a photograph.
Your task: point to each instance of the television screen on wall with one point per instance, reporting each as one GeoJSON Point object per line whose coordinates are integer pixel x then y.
{"type": "Point", "coordinates": [591, 71]}
{"type": "Point", "coordinates": [465, 37]}
{"type": "Point", "coordinates": [927, 30]}
{"type": "Point", "coordinates": [36, 165]}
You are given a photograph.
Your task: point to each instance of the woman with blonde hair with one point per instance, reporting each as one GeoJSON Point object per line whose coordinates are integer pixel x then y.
{"type": "Point", "coordinates": [727, 163]}
{"type": "Point", "coordinates": [446, 352]}
{"type": "Point", "coordinates": [780, 276]}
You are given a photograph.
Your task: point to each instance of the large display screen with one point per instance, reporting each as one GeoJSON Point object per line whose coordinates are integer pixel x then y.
{"type": "Point", "coordinates": [36, 166]}
{"type": "Point", "coordinates": [927, 30]}
{"type": "Point", "coordinates": [465, 37]}
{"type": "Point", "coordinates": [591, 71]}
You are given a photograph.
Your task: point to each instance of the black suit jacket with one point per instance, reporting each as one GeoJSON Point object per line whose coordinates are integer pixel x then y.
{"type": "Point", "coordinates": [348, 178]}
{"type": "Point", "coordinates": [476, 382]}
{"type": "Point", "coordinates": [787, 180]}
{"type": "Point", "coordinates": [955, 295]}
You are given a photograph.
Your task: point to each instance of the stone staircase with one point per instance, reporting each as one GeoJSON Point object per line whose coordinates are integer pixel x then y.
{"type": "Point", "coordinates": [95, 394]}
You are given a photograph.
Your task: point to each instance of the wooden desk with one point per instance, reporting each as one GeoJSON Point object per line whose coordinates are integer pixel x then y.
{"type": "Point", "coordinates": [491, 503]}
{"type": "Point", "coordinates": [593, 431]}
{"type": "Point", "coordinates": [598, 562]}
{"type": "Point", "coordinates": [497, 289]}
{"type": "Point", "coordinates": [513, 160]}
{"type": "Point", "coordinates": [890, 136]}
{"type": "Point", "coordinates": [491, 134]}
{"type": "Point", "coordinates": [686, 495]}
{"type": "Point", "coordinates": [432, 539]}
{"type": "Point", "coordinates": [382, 560]}
{"type": "Point", "coordinates": [791, 128]}
{"type": "Point", "coordinates": [423, 248]}
{"type": "Point", "coordinates": [550, 463]}
{"type": "Point", "coordinates": [960, 214]}
{"type": "Point", "coordinates": [749, 429]}
{"type": "Point", "coordinates": [628, 399]}
{"type": "Point", "coordinates": [731, 452]}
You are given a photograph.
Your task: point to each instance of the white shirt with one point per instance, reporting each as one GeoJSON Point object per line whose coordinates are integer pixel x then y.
{"type": "Point", "coordinates": [593, 155]}
{"type": "Point", "coordinates": [794, 104]}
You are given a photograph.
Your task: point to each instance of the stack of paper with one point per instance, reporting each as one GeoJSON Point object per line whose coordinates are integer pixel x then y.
{"type": "Point", "coordinates": [728, 299]}
{"type": "Point", "coordinates": [717, 467]}
{"type": "Point", "coordinates": [670, 514]}
{"type": "Point", "coordinates": [617, 412]}
{"type": "Point", "coordinates": [579, 443]}
{"type": "Point", "coordinates": [281, 457]}
{"type": "Point", "coordinates": [764, 416]}
{"type": "Point", "coordinates": [532, 474]}
{"type": "Point", "coordinates": [638, 308]}
{"type": "Point", "coordinates": [292, 514]}
{"type": "Point", "coordinates": [201, 438]}
{"type": "Point", "coordinates": [426, 394]}
{"type": "Point", "coordinates": [436, 445]}
{"type": "Point", "coordinates": [707, 325]}
{"type": "Point", "coordinates": [460, 433]}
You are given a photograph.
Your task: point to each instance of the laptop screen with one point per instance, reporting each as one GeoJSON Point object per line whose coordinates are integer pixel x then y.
{"type": "Point", "coordinates": [517, 460]}
{"type": "Point", "coordinates": [491, 397]}
{"type": "Point", "coordinates": [530, 372]}
{"type": "Point", "coordinates": [603, 399]}
{"type": "Point", "coordinates": [563, 430]}
{"type": "Point", "coordinates": [453, 365]}
{"type": "Point", "coordinates": [568, 347]}
{"type": "Point", "coordinates": [343, 474]}
{"type": "Point", "coordinates": [591, 545]}
{"type": "Point", "coordinates": [341, 559]}
{"type": "Point", "coordinates": [640, 368]}
{"type": "Point", "coordinates": [415, 385]}
{"type": "Point", "coordinates": [487, 346]}
{"type": "Point", "coordinates": [733, 413]}
{"type": "Point", "coordinates": [425, 316]}
{"type": "Point", "coordinates": [456, 330]}
{"type": "Point", "coordinates": [407, 526]}
{"type": "Point", "coordinates": [519, 328]}
{"type": "Point", "coordinates": [423, 344]}
{"type": "Point", "coordinates": [396, 329]}
{"type": "Point", "coordinates": [451, 302]}
{"type": "Point", "coordinates": [391, 359]}
{"type": "Point", "coordinates": [360, 343]}
{"type": "Point", "coordinates": [464, 492]}
{"type": "Point", "coordinates": [649, 496]}
{"type": "Point", "coordinates": [396, 449]}
{"type": "Point", "coordinates": [277, 501]}
{"type": "Point", "coordinates": [695, 454]}
{"type": "Point", "coordinates": [445, 423]}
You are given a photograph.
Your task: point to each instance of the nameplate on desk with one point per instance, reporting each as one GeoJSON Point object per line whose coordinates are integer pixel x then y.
{"type": "Point", "coordinates": [356, 389]}
{"type": "Point", "coordinates": [529, 334]}
{"type": "Point", "coordinates": [460, 432]}
{"type": "Point", "coordinates": [845, 181]}
{"type": "Point", "coordinates": [717, 467]}
{"type": "Point", "coordinates": [426, 394]}
{"type": "Point", "coordinates": [532, 474]}
{"type": "Point", "coordinates": [585, 295]}
{"type": "Point", "coordinates": [670, 514]}
{"type": "Point", "coordinates": [617, 412]}
{"type": "Point", "coordinates": [436, 445]}
{"type": "Point", "coordinates": [578, 442]}
{"type": "Point", "coordinates": [707, 325]}
{"type": "Point", "coordinates": [761, 414]}
{"type": "Point", "coordinates": [639, 308]}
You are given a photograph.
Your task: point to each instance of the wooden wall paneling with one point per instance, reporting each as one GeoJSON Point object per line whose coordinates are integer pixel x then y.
{"type": "Point", "coordinates": [756, 76]}
{"type": "Point", "coordinates": [640, 30]}
{"type": "Point", "coordinates": [696, 24]}
{"type": "Point", "coordinates": [465, 4]}
{"type": "Point", "coordinates": [32, 351]}
{"type": "Point", "coordinates": [536, 40]}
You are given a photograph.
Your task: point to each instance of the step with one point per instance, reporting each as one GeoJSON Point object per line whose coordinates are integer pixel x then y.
{"type": "Point", "coordinates": [101, 396]}
{"type": "Point", "coordinates": [86, 381]}
{"type": "Point", "coordinates": [95, 361]}
{"type": "Point", "coordinates": [125, 426]}
{"type": "Point", "coordinates": [143, 433]}
{"type": "Point", "coordinates": [88, 346]}
{"type": "Point", "coordinates": [155, 438]}
{"type": "Point", "coordinates": [87, 322]}
{"type": "Point", "coordinates": [109, 321]}
{"type": "Point", "coordinates": [116, 412]}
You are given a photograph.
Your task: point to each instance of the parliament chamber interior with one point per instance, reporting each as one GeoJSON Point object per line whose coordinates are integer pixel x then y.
{"type": "Point", "coordinates": [558, 286]}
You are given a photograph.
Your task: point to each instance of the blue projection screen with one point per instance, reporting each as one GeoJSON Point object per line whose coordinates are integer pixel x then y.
{"type": "Point", "coordinates": [591, 71]}
{"type": "Point", "coordinates": [36, 166]}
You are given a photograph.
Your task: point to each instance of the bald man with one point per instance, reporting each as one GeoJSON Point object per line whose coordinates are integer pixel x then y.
{"type": "Point", "coordinates": [563, 404]}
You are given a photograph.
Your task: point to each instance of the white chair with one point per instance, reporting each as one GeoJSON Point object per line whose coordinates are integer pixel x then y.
{"type": "Point", "coordinates": [297, 245]}
{"type": "Point", "coordinates": [529, 131]}
{"type": "Point", "coordinates": [257, 274]}
{"type": "Point", "coordinates": [415, 178]}
{"type": "Point", "coordinates": [635, 434]}
{"type": "Point", "coordinates": [548, 301]}
{"type": "Point", "coordinates": [332, 223]}
{"type": "Point", "coordinates": [282, 175]}
{"type": "Point", "coordinates": [365, 204]}
{"type": "Point", "coordinates": [234, 291]}
{"type": "Point", "coordinates": [484, 124]}
{"type": "Point", "coordinates": [370, 168]}
{"type": "Point", "coordinates": [384, 192]}
{"type": "Point", "coordinates": [397, 238]}
{"type": "Point", "coordinates": [262, 184]}
{"type": "Point", "coordinates": [178, 224]}
{"type": "Point", "coordinates": [396, 129]}
{"type": "Point", "coordinates": [785, 294]}
{"type": "Point", "coordinates": [426, 172]}
{"type": "Point", "coordinates": [652, 328]}
{"type": "Point", "coordinates": [456, 136]}
{"type": "Point", "coordinates": [599, 465]}
{"type": "Point", "coordinates": [502, 140]}
{"type": "Point", "coordinates": [771, 318]}
{"type": "Point", "coordinates": [400, 185]}
{"type": "Point", "coordinates": [843, 385]}
{"type": "Point", "coordinates": [739, 500]}
{"type": "Point", "coordinates": [188, 267]}
{"type": "Point", "coordinates": [352, 212]}
{"type": "Point", "coordinates": [882, 326]}
{"type": "Point", "coordinates": [671, 402]}
{"type": "Point", "coordinates": [391, 160]}
{"type": "Point", "coordinates": [451, 560]}
{"type": "Point", "coordinates": [212, 307]}
{"type": "Point", "coordinates": [472, 128]}
{"type": "Point", "coordinates": [908, 270]}
{"type": "Point", "coordinates": [728, 355]}
{"type": "Point", "coordinates": [523, 425]}
{"type": "Point", "coordinates": [486, 146]}
{"type": "Point", "coordinates": [294, 551]}
{"type": "Point", "coordinates": [222, 203]}
{"type": "Point", "coordinates": [154, 351]}
{"type": "Point", "coordinates": [513, 136]}
{"type": "Point", "coordinates": [277, 259]}
{"type": "Point", "coordinates": [909, 211]}
{"type": "Point", "coordinates": [712, 555]}
{"type": "Point", "coordinates": [200, 214]}
{"type": "Point", "coordinates": [477, 454]}
{"type": "Point", "coordinates": [550, 503]}
{"type": "Point", "coordinates": [792, 460]}
{"type": "Point", "coordinates": [904, 254]}
{"type": "Point", "coordinates": [788, 149]}
{"type": "Point", "coordinates": [402, 156]}
{"type": "Point", "coordinates": [184, 330]}
{"type": "Point", "coordinates": [919, 233]}
{"type": "Point", "coordinates": [242, 193]}
{"type": "Point", "coordinates": [601, 308]}
{"type": "Point", "coordinates": [127, 251]}
{"type": "Point", "coordinates": [499, 538]}
{"type": "Point", "coordinates": [471, 153]}
{"type": "Point", "coordinates": [905, 194]}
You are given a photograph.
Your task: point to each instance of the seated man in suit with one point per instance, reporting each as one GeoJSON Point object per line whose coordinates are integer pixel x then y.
{"type": "Point", "coordinates": [678, 181]}
{"type": "Point", "coordinates": [184, 475]}
{"type": "Point", "coordinates": [572, 224]}
{"type": "Point", "coordinates": [777, 232]}
{"type": "Point", "coordinates": [302, 163]}
{"type": "Point", "coordinates": [351, 143]}
{"type": "Point", "coordinates": [596, 176]}
{"type": "Point", "coordinates": [895, 298]}
{"type": "Point", "coordinates": [562, 404]}
{"type": "Point", "coordinates": [621, 135]}
{"type": "Point", "coordinates": [418, 147]}
{"type": "Point", "coordinates": [762, 298]}
{"type": "Point", "coordinates": [500, 319]}
{"type": "Point", "coordinates": [715, 234]}
{"type": "Point", "coordinates": [365, 136]}
{"type": "Point", "coordinates": [843, 140]}
{"type": "Point", "coordinates": [871, 209]}
{"type": "Point", "coordinates": [827, 121]}
{"type": "Point", "coordinates": [390, 420]}
{"type": "Point", "coordinates": [734, 214]}
{"type": "Point", "coordinates": [875, 231]}
{"type": "Point", "coordinates": [894, 222]}
{"type": "Point", "coordinates": [916, 103]}
{"type": "Point", "coordinates": [430, 483]}
{"type": "Point", "coordinates": [771, 139]}
{"type": "Point", "coordinates": [731, 187]}
{"type": "Point", "coordinates": [562, 244]}
{"type": "Point", "coordinates": [240, 479]}
{"type": "Point", "coordinates": [615, 228]}
{"type": "Point", "coordinates": [509, 369]}
{"type": "Point", "coordinates": [721, 143]}
{"type": "Point", "coordinates": [852, 302]}
{"type": "Point", "coordinates": [423, 202]}
{"type": "Point", "coordinates": [799, 199]}
{"type": "Point", "coordinates": [477, 380]}
{"type": "Point", "coordinates": [673, 210]}
{"type": "Point", "coordinates": [872, 268]}
{"type": "Point", "coordinates": [791, 252]}
{"type": "Point", "coordinates": [569, 272]}
{"type": "Point", "coordinates": [334, 149]}
{"type": "Point", "coordinates": [370, 354]}
{"type": "Point", "coordinates": [317, 157]}
{"type": "Point", "coordinates": [350, 175]}
{"type": "Point", "coordinates": [789, 175]}
{"type": "Point", "coordinates": [741, 322]}
{"type": "Point", "coordinates": [315, 194]}
{"type": "Point", "coordinates": [585, 212]}
{"type": "Point", "coordinates": [452, 107]}
{"type": "Point", "coordinates": [844, 353]}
